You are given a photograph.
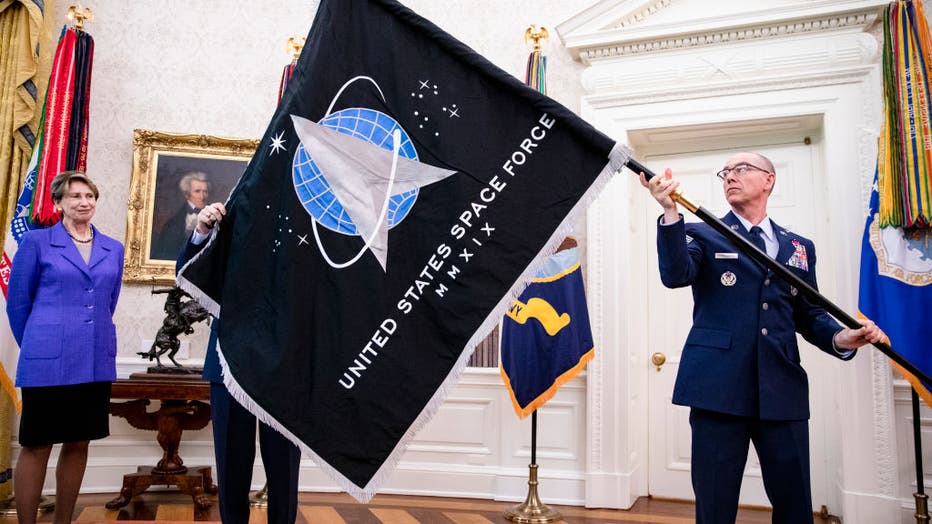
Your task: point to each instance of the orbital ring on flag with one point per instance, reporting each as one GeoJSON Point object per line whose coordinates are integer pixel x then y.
{"type": "Point", "coordinates": [352, 167]}
{"type": "Point", "coordinates": [396, 147]}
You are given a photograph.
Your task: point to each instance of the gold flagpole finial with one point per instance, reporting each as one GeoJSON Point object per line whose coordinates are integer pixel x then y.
{"type": "Point", "coordinates": [536, 34]}
{"type": "Point", "coordinates": [77, 15]}
{"type": "Point", "coordinates": [294, 46]}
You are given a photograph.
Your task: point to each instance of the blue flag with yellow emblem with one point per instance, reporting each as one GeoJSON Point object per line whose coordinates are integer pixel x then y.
{"type": "Point", "coordinates": [404, 193]}
{"type": "Point", "coordinates": [546, 337]}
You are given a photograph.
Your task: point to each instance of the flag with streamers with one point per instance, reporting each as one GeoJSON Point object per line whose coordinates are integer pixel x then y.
{"type": "Point", "coordinates": [896, 288]}
{"type": "Point", "coordinates": [896, 249]}
{"type": "Point", "coordinates": [905, 165]}
{"type": "Point", "coordinates": [402, 197]}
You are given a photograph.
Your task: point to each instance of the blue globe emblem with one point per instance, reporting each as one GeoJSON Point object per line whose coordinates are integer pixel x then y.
{"type": "Point", "coordinates": [312, 187]}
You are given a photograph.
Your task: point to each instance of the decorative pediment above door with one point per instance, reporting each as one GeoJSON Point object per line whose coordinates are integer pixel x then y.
{"type": "Point", "coordinates": [648, 47]}
{"type": "Point", "coordinates": [613, 28]}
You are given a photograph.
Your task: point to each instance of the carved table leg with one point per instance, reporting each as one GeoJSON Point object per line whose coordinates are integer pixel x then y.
{"type": "Point", "coordinates": [194, 485]}
{"type": "Point", "coordinates": [206, 473]}
{"type": "Point", "coordinates": [133, 484]}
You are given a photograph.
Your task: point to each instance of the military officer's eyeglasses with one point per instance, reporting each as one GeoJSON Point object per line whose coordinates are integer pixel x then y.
{"type": "Point", "coordinates": [739, 170]}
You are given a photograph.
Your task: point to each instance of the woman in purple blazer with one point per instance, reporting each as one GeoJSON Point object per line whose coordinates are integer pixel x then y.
{"type": "Point", "coordinates": [62, 294]}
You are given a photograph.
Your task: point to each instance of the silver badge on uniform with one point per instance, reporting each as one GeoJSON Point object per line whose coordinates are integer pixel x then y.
{"type": "Point", "coordinates": [729, 278]}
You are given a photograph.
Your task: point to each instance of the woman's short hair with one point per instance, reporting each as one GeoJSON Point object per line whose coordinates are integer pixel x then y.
{"type": "Point", "coordinates": [63, 180]}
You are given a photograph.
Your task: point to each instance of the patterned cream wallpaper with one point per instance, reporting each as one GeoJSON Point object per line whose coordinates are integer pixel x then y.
{"type": "Point", "coordinates": [213, 66]}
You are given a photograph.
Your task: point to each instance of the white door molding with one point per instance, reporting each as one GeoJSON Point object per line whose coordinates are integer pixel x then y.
{"type": "Point", "coordinates": [826, 72]}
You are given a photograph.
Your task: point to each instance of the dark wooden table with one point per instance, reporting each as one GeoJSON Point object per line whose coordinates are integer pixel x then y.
{"type": "Point", "coordinates": [181, 408]}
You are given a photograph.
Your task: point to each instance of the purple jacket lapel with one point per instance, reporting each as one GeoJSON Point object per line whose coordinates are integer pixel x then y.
{"type": "Point", "coordinates": [58, 238]}
{"type": "Point", "coordinates": [100, 251]}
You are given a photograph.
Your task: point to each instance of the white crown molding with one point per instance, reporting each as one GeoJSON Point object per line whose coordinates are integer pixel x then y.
{"type": "Point", "coordinates": [676, 92]}
{"type": "Point", "coordinates": [815, 59]}
{"type": "Point", "coordinates": [589, 38]}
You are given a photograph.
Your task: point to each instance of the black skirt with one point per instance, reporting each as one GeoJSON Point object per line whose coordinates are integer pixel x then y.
{"type": "Point", "coordinates": [57, 414]}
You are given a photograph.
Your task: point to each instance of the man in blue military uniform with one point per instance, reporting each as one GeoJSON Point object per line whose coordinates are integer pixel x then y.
{"type": "Point", "coordinates": [234, 427]}
{"type": "Point", "coordinates": [740, 370]}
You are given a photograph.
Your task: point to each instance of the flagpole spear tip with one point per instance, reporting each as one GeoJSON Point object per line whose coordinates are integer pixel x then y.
{"type": "Point", "coordinates": [536, 34]}
{"type": "Point", "coordinates": [77, 15]}
{"type": "Point", "coordinates": [293, 47]}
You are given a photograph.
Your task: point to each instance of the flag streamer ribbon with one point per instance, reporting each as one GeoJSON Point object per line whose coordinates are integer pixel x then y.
{"type": "Point", "coordinates": [905, 150]}
{"type": "Point", "coordinates": [286, 77]}
{"type": "Point", "coordinates": [536, 74]}
{"type": "Point", "coordinates": [64, 128]}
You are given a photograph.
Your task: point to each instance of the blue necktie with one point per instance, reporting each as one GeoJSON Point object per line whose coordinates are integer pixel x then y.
{"type": "Point", "coordinates": [757, 239]}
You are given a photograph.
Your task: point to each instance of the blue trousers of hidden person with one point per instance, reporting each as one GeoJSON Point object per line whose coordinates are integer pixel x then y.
{"type": "Point", "coordinates": [720, 444]}
{"type": "Point", "coordinates": [235, 449]}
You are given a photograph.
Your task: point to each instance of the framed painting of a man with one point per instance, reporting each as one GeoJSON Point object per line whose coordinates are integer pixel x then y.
{"type": "Point", "coordinates": [174, 176]}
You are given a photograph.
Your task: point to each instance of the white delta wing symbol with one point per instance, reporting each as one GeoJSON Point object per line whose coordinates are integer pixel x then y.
{"type": "Point", "coordinates": [357, 173]}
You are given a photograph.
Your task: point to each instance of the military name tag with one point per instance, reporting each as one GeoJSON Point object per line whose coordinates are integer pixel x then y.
{"type": "Point", "coordinates": [729, 279]}
{"type": "Point", "coordinates": [726, 256]}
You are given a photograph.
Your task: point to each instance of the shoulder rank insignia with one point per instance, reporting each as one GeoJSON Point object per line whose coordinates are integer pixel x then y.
{"type": "Point", "coordinates": [799, 259]}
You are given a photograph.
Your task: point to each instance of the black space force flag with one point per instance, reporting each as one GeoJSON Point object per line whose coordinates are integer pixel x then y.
{"type": "Point", "coordinates": [403, 195]}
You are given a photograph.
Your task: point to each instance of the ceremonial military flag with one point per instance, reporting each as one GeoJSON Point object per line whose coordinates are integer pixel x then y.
{"type": "Point", "coordinates": [896, 288]}
{"type": "Point", "coordinates": [546, 337]}
{"type": "Point", "coordinates": [896, 258]}
{"type": "Point", "coordinates": [404, 193]}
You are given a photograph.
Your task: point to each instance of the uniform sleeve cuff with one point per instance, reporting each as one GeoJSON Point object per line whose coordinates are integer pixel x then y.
{"type": "Point", "coordinates": [661, 223]}
{"type": "Point", "coordinates": [198, 239]}
{"type": "Point", "coordinates": [843, 353]}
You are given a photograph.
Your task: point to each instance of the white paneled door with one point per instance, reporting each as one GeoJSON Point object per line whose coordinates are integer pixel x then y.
{"type": "Point", "coordinates": [670, 313]}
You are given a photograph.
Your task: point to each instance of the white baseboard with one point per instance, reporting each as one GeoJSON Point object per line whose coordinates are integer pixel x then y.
{"type": "Point", "coordinates": [611, 490]}
{"type": "Point", "coordinates": [868, 508]}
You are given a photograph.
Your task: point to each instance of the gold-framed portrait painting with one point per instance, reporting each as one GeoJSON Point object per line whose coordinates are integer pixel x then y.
{"type": "Point", "coordinates": [174, 176]}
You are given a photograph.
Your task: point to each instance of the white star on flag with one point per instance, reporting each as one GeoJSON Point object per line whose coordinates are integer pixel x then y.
{"type": "Point", "coordinates": [277, 143]}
